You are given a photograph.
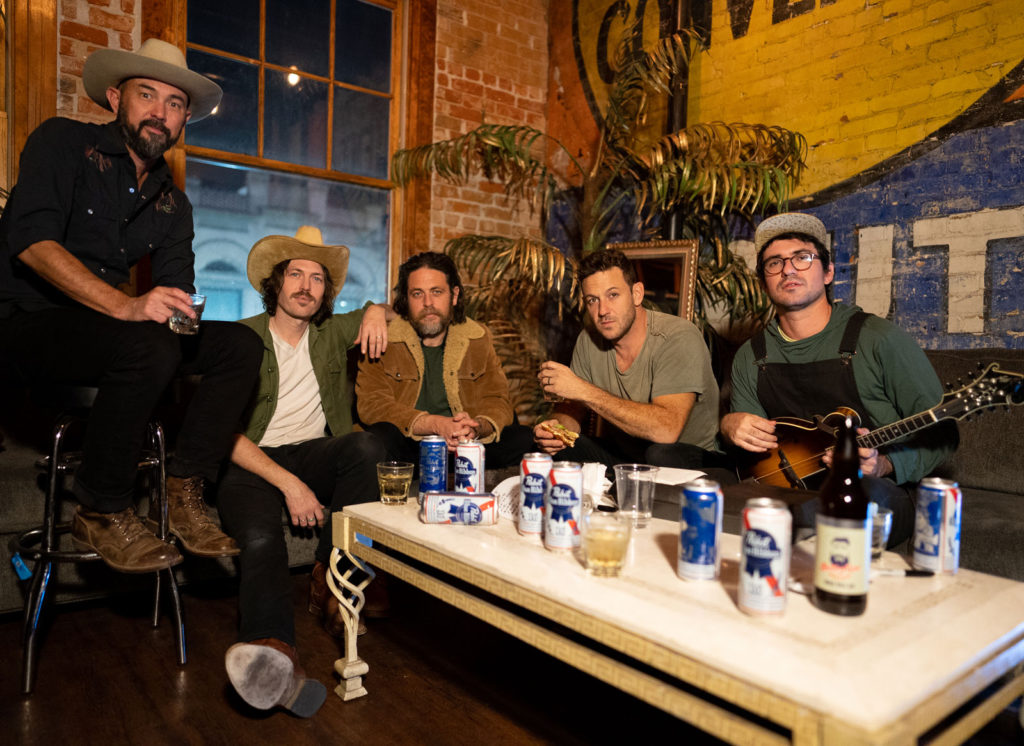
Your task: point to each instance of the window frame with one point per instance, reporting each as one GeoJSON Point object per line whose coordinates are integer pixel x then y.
{"type": "Point", "coordinates": [411, 110]}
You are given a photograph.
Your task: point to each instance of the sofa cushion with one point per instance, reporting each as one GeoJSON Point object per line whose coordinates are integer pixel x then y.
{"type": "Point", "coordinates": [988, 458]}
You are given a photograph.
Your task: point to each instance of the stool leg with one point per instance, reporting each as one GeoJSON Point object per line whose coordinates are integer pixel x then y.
{"type": "Point", "coordinates": [159, 494]}
{"type": "Point", "coordinates": [44, 566]}
{"type": "Point", "coordinates": [33, 609]}
{"type": "Point", "coordinates": [179, 616]}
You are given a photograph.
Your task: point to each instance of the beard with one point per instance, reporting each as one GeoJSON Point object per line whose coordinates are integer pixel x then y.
{"type": "Point", "coordinates": [146, 147]}
{"type": "Point", "coordinates": [428, 329]}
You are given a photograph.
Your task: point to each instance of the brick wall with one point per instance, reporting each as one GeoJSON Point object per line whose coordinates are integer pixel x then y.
{"type": "Point", "coordinates": [82, 27]}
{"type": "Point", "coordinates": [492, 65]}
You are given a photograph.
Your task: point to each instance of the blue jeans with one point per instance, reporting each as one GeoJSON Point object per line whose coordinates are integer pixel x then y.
{"type": "Point", "coordinates": [131, 364]}
{"type": "Point", "coordinates": [341, 471]}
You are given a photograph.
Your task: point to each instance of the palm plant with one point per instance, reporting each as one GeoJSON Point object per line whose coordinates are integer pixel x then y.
{"type": "Point", "coordinates": [704, 174]}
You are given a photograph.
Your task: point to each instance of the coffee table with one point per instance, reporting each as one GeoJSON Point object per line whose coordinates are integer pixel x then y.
{"type": "Point", "coordinates": [925, 648]}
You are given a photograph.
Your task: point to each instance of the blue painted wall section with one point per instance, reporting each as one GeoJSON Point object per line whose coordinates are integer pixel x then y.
{"type": "Point", "coordinates": [977, 170]}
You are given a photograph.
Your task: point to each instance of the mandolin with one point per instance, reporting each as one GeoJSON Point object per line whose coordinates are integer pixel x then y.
{"type": "Point", "coordinates": [802, 443]}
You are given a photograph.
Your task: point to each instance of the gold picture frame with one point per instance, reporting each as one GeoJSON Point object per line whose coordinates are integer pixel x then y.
{"type": "Point", "coordinates": [668, 270]}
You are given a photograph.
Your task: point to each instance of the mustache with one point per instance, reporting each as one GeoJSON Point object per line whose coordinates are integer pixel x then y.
{"type": "Point", "coordinates": [155, 124]}
{"type": "Point", "coordinates": [302, 294]}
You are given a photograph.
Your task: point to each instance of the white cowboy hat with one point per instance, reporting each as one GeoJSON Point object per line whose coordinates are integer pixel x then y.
{"type": "Point", "coordinates": [308, 244]}
{"type": "Point", "coordinates": [157, 60]}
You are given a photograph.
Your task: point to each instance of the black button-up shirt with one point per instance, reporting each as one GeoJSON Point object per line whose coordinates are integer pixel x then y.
{"type": "Point", "coordinates": [77, 186]}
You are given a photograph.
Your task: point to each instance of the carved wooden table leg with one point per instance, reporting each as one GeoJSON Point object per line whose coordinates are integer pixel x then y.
{"type": "Point", "coordinates": [351, 668]}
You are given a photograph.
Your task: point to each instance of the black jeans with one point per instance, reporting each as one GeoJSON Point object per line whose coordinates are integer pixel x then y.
{"type": "Point", "coordinates": [341, 471]}
{"type": "Point", "coordinates": [610, 452]}
{"type": "Point", "coordinates": [515, 440]}
{"type": "Point", "coordinates": [897, 497]}
{"type": "Point", "coordinates": [131, 364]}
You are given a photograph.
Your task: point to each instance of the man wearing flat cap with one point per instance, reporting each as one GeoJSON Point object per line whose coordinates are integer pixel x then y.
{"type": "Point", "coordinates": [816, 356]}
{"type": "Point", "coordinates": [297, 451]}
{"type": "Point", "coordinates": [91, 201]}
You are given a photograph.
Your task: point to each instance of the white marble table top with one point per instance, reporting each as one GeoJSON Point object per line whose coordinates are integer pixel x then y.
{"type": "Point", "coordinates": [918, 637]}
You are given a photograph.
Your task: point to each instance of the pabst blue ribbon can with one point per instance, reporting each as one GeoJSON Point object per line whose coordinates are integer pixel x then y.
{"type": "Point", "coordinates": [700, 528]}
{"type": "Point", "coordinates": [562, 508]}
{"type": "Point", "coordinates": [457, 507]}
{"type": "Point", "coordinates": [764, 556]}
{"type": "Point", "coordinates": [433, 465]}
{"type": "Point", "coordinates": [534, 480]}
{"type": "Point", "coordinates": [469, 467]}
{"type": "Point", "coordinates": [937, 526]}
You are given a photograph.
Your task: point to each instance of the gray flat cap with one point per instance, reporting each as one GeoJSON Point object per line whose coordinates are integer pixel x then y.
{"type": "Point", "coordinates": [789, 222]}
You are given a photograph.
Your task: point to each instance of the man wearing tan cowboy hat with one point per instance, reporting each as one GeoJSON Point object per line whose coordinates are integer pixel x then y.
{"type": "Point", "coordinates": [298, 450]}
{"type": "Point", "coordinates": [91, 201]}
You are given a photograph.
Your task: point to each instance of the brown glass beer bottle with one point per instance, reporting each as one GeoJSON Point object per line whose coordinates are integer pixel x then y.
{"type": "Point", "coordinates": [843, 555]}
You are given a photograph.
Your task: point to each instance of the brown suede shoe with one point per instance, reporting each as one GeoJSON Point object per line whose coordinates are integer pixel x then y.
{"type": "Point", "coordinates": [324, 604]}
{"type": "Point", "coordinates": [122, 541]}
{"type": "Point", "coordinates": [266, 673]}
{"type": "Point", "coordinates": [188, 520]}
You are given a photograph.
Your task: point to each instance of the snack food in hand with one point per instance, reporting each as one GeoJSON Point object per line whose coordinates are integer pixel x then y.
{"type": "Point", "coordinates": [561, 432]}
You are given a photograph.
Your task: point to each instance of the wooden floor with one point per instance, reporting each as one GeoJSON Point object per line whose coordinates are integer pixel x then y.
{"type": "Point", "coordinates": [436, 676]}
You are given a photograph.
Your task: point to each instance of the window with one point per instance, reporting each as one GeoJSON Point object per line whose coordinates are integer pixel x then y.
{"type": "Point", "coordinates": [301, 137]}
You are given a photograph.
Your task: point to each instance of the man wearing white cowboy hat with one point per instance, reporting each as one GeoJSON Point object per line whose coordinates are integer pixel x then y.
{"type": "Point", "coordinates": [298, 450]}
{"type": "Point", "coordinates": [91, 201]}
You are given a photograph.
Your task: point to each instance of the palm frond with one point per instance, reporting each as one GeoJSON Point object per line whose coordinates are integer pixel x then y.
{"type": "Point", "coordinates": [724, 167]}
{"type": "Point", "coordinates": [512, 155]}
{"type": "Point", "coordinates": [512, 273]}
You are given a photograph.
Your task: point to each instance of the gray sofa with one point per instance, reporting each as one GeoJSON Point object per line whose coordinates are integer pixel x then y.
{"type": "Point", "coordinates": [987, 466]}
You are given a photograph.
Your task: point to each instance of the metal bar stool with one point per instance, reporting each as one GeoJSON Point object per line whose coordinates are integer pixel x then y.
{"type": "Point", "coordinates": [42, 544]}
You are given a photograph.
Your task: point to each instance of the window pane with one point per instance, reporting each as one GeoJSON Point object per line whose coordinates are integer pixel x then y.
{"type": "Point", "coordinates": [229, 25]}
{"type": "Point", "coordinates": [362, 45]}
{"type": "Point", "coordinates": [234, 207]}
{"type": "Point", "coordinates": [233, 126]}
{"type": "Point", "coordinates": [295, 119]}
{"type": "Point", "coordinates": [361, 129]}
{"type": "Point", "coordinates": [299, 34]}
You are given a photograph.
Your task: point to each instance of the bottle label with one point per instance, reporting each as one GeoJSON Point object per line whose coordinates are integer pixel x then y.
{"type": "Point", "coordinates": [843, 556]}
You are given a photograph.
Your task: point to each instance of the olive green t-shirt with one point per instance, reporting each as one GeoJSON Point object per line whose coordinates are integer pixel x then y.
{"type": "Point", "coordinates": [673, 360]}
{"type": "Point", "coordinates": [433, 398]}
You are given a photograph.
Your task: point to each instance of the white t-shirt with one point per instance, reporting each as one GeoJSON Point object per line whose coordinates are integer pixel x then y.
{"type": "Point", "coordinates": [299, 415]}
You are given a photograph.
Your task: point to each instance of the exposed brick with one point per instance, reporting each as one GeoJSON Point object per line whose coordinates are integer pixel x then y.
{"type": "Point", "coordinates": [114, 21]}
{"type": "Point", "coordinates": [83, 32]}
{"type": "Point", "coordinates": [128, 7]}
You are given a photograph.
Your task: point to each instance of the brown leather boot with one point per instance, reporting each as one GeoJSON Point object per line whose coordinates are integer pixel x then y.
{"type": "Point", "coordinates": [188, 520]}
{"type": "Point", "coordinates": [122, 541]}
{"type": "Point", "coordinates": [325, 604]}
{"type": "Point", "coordinates": [266, 673]}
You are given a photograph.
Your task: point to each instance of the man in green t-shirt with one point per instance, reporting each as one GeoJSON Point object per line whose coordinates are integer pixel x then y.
{"type": "Point", "coordinates": [440, 374]}
{"type": "Point", "coordinates": [297, 451]}
{"type": "Point", "coordinates": [817, 356]}
{"type": "Point", "coordinates": [646, 374]}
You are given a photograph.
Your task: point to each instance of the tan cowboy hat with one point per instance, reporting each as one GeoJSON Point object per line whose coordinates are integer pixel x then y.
{"type": "Point", "coordinates": [157, 60]}
{"type": "Point", "coordinates": [307, 244]}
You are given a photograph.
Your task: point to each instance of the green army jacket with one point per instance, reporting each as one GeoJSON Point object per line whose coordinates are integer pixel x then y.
{"type": "Point", "coordinates": [329, 344]}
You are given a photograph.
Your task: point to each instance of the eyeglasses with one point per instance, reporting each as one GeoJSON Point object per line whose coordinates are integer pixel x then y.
{"type": "Point", "coordinates": [801, 262]}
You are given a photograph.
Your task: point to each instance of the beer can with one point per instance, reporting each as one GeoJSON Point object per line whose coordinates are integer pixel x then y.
{"type": "Point", "coordinates": [937, 526]}
{"type": "Point", "coordinates": [700, 528]}
{"type": "Point", "coordinates": [458, 507]}
{"type": "Point", "coordinates": [562, 508]}
{"type": "Point", "coordinates": [534, 481]}
{"type": "Point", "coordinates": [764, 556]}
{"type": "Point", "coordinates": [469, 467]}
{"type": "Point", "coordinates": [433, 465]}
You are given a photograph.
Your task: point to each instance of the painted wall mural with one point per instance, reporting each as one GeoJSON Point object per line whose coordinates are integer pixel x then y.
{"type": "Point", "coordinates": [914, 112]}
